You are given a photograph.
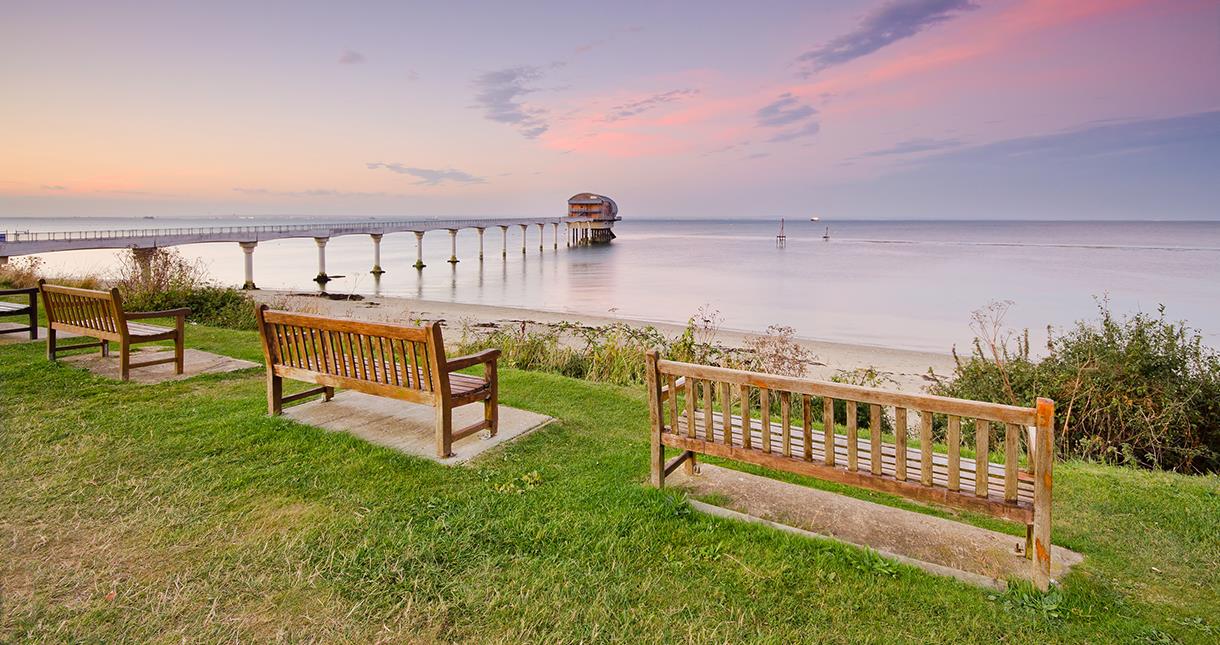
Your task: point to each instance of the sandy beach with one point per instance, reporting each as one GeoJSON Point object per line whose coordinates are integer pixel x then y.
{"type": "Point", "coordinates": [905, 370]}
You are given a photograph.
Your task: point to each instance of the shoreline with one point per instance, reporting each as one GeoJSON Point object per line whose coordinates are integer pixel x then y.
{"type": "Point", "coordinates": [904, 369]}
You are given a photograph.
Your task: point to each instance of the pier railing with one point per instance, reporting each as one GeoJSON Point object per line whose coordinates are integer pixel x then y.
{"type": "Point", "coordinates": [330, 228]}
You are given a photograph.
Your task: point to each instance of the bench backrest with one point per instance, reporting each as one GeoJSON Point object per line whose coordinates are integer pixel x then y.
{"type": "Point", "coordinates": [391, 360]}
{"type": "Point", "coordinates": [85, 311]}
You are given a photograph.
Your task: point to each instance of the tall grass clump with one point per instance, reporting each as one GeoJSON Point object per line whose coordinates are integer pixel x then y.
{"type": "Point", "coordinates": [168, 281]}
{"type": "Point", "coordinates": [1141, 390]}
{"type": "Point", "coordinates": [611, 353]}
{"type": "Point", "coordinates": [25, 271]}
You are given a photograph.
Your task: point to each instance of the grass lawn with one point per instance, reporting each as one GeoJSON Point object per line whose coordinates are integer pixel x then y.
{"type": "Point", "coordinates": [181, 511]}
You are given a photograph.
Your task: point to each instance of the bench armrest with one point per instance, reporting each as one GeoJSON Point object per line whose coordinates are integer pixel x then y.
{"type": "Point", "coordinates": [462, 362]}
{"type": "Point", "coordinates": [18, 292]}
{"type": "Point", "coordinates": [181, 312]}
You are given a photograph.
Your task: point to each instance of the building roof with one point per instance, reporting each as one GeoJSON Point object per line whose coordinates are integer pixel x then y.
{"type": "Point", "coordinates": [593, 199]}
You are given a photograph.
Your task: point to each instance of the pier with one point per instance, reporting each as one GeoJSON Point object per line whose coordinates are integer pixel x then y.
{"type": "Point", "coordinates": [581, 230]}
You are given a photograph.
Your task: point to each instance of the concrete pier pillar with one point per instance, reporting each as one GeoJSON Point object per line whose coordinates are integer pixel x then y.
{"type": "Point", "coordinates": [504, 242]}
{"type": "Point", "coordinates": [525, 228]}
{"type": "Point", "coordinates": [480, 230]}
{"type": "Point", "coordinates": [322, 278]}
{"type": "Point", "coordinates": [247, 248]}
{"type": "Point", "coordinates": [541, 235]}
{"type": "Point", "coordinates": [419, 250]}
{"type": "Point", "coordinates": [144, 262]}
{"type": "Point", "coordinates": [453, 246]}
{"type": "Point", "coordinates": [555, 236]}
{"type": "Point", "coordinates": [376, 254]}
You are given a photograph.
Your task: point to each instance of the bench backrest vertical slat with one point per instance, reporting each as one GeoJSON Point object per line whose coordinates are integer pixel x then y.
{"type": "Point", "coordinates": [874, 435]}
{"type": "Point", "coordinates": [709, 389]}
{"type": "Point", "coordinates": [982, 454]}
{"type": "Point", "coordinates": [747, 434]}
{"type": "Point", "coordinates": [1012, 435]}
{"type": "Point", "coordinates": [807, 427]}
{"type": "Point", "coordinates": [691, 386]}
{"type": "Point", "coordinates": [764, 416]}
{"type": "Point", "coordinates": [925, 447]}
{"type": "Point", "coordinates": [672, 385]}
{"type": "Point", "coordinates": [953, 437]}
{"type": "Point", "coordinates": [828, 430]}
{"type": "Point", "coordinates": [853, 437]}
{"type": "Point", "coordinates": [726, 406]}
{"type": "Point", "coordinates": [900, 443]}
{"type": "Point", "coordinates": [785, 417]}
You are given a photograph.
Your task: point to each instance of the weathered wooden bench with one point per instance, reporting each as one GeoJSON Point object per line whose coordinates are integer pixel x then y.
{"type": "Point", "coordinates": [100, 315]}
{"type": "Point", "coordinates": [703, 410]}
{"type": "Point", "coordinates": [394, 361]}
{"type": "Point", "coordinates": [29, 310]}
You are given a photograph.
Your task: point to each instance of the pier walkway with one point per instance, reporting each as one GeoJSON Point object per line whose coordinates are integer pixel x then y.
{"type": "Point", "coordinates": [145, 241]}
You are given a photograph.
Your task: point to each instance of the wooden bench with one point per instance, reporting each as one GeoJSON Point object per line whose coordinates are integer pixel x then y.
{"type": "Point", "coordinates": [394, 361]}
{"type": "Point", "coordinates": [30, 310]}
{"type": "Point", "coordinates": [100, 315]}
{"type": "Point", "coordinates": [702, 410]}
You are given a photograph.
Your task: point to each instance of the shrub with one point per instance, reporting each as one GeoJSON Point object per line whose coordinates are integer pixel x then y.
{"type": "Point", "coordinates": [611, 353]}
{"type": "Point", "coordinates": [777, 352]}
{"type": "Point", "coordinates": [169, 281]}
{"type": "Point", "coordinates": [21, 272]}
{"type": "Point", "coordinates": [1140, 389]}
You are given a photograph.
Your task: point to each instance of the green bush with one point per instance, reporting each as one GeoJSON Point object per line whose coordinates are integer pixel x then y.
{"type": "Point", "coordinates": [1140, 390]}
{"type": "Point", "coordinates": [209, 305]}
{"type": "Point", "coordinates": [166, 280]}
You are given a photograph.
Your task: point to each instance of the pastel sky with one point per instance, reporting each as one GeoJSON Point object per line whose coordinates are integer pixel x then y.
{"type": "Point", "coordinates": [1041, 109]}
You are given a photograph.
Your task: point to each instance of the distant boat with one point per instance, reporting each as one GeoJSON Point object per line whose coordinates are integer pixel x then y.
{"type": "Point", "coordinates": [813, 219]}
{"type": "Point", "coordinates": [826, 235]}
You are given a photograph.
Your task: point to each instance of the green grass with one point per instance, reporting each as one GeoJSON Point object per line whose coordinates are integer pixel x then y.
{"type": "Point", "coordinates": [181, 511]}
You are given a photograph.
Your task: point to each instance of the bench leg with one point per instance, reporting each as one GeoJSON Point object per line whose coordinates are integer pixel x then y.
{"type": "Point", "coordinates": [328, 393]}
{"type": "Point", "coordinates": [275, 395]}
{"type": "Point", "coordinates": [491, 406]}
{"type": "Point", "coordinates": [179, 348]}
{"type": "Point", "coordinates": [33, 317]}
{"type": "Point", "coordinates": [691, 466]}
{"type": "Point", "coordinates": [656, 421]}
{"type": "Point", "coordinates": [105, 348]}
{"type": "Point", "coordinates": [50, 344]}
{"type": "Point", "coordinates": [1029, 541]}
{"type": "Point", "coordinates": [444, 430]}
{"type": "Point", "coordinates": [124, 360]}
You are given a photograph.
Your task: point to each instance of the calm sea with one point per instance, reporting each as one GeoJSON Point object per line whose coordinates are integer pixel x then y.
{"type": "Point", "coordinates": [911, 284]}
